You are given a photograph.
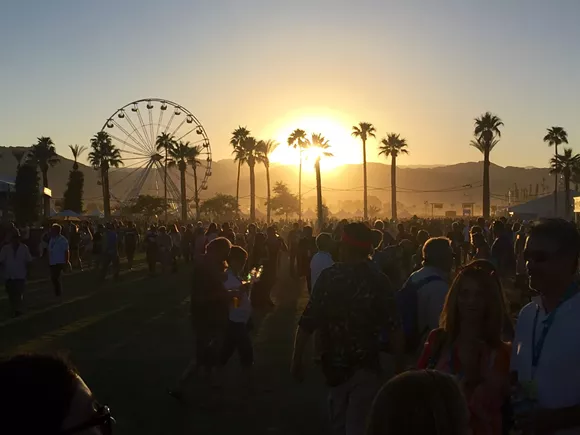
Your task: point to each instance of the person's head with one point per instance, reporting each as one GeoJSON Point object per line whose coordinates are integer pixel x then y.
{"type": "Point", "coordinates": [295, 226]}
{"type": "Point", "coordinates": [271, 232]}
{"type": "Point", "coordinates": [225, 226]}
{"type": "Point", "coordinates": [174, 228]}
{"type": "Point", "coordinates": [420, 402]}
{"type": "Point", "coordinates": [324, 242]}
{"type": "Point", "coordinates": [379, 225]}
{"type": "Point", "coordinates": [476, 229]}
{"type": "Point", "coordinates": [252, 228]}
{"type": "Point", "coordinates": [212, 229]}
{"type": "Point", "coordinates": [478, 240]}
{"type": "Point", "coordinates": [45, 395]}
{"type": "Point", "coordinates": [414, 231]}
{"type": "Point", "coordinates": [475, 299]}
{"type": "Point", "coordinates": [377, 238]}
{"type": "Point", "coordinates": [356, 242]}
{"type": "Point", "coordinates": [437, 253]}
{"type": "Point", "coordinates": [56, 230]}
{"type": "Point", "coordinates": [401, 228]}
{"type": "Point", "coordinates": [422, 237]}
{"type": "Point", "coordinates": [551, 254]}
{"type": "Point", "coordinates": [516, 227]}
{"type": "Point", "coordinates": [218, 250]}
{"type": "Point", "coordinates": [481, 222]}
{"type": "Point", "coordinates": [455, 226]}
{"type": "Point", "coordinates": [162, 230]}
{"type": "Point", "coordinates": [307, 231]}
{"type": "Point", "coordinates": [237, 259]}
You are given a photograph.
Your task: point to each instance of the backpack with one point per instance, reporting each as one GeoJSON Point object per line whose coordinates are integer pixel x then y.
{"type": "Point", "coordinates": [407, 302]}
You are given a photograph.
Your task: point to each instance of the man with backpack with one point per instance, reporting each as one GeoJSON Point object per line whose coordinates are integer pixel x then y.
{"type": "Point", "coordinates": [422, 297]}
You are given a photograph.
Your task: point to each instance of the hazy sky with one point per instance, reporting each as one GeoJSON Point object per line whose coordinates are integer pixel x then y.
{"type": "Point", "coordinates": [424, 69]}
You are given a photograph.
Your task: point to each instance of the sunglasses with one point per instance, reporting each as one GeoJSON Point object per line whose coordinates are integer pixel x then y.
{"type": "Point", "coordinates": [102, 420]}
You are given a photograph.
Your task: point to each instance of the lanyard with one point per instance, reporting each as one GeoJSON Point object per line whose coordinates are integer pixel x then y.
{"type": "Point", "coordinates": [538, 347]}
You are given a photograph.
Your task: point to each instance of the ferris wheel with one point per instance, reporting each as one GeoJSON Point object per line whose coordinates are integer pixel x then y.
{"type": "Point", "coordinates": [134, 129]}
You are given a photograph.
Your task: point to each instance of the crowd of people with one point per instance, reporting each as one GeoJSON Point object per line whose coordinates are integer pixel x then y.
{"type": "Point", "coordinates": [421, 327]}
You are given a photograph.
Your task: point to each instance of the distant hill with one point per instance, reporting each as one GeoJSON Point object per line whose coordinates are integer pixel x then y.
{"type": "Point", "coordinates": [445, 184]}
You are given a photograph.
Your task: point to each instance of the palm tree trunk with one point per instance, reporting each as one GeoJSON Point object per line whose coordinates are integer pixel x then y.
{"type": "Point", "coordinates": [394, 188]}
{"type": "Point", "coordinates": [556, 175]}
{"type": "Point", "coordinates": [252, 191]}
{"type": "Point", "coordinates": [567, 190]}
{"type": "Point", "coordinates": [319, 195]}
{"type": "Point", "coordinates": [46, 198]}
{"type": "Point", "coordinates": [486, 190]}
{"type": "Point", "coordinates": [183, 198]}
{"type": "Point", "coordinates": [365, 199]}
{"type": "Point", "coordinates": [196, 196]}
{"type": "Point", "coordinates": [300, 188]}
{"type": "Point", "coordinates": [268, 208]}
{"type": "Point", "coordinates": [105, 185]}
{"type": "Point", "coordinates": [238, 189]}
{"type": "Point", "coordinates": [165, 186]}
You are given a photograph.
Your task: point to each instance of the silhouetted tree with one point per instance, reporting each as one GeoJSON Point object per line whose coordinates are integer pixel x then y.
{"type": "Point", "coordinates": [179, 155]}
{"type": "Point", "coordinates": [265, 148]}
{"type": "Point", "coordinates": [27, 190]}
{"type": "Point", "coordinates": [73, 195]}
{"type": "Point", "coordinates": [556, 136]}
{"type": "Point", "coordinates": [43, 155]}
{"type": "Point", "coordinates": [239, 135]}
{"type": "Point", "coordinates": [364, 130]}
{"type": "Point", "coordinates": [392, 146]}
{"type": "Point", "coordinates": [321, 145]}
{"type": "Point", "coordinates": [565, 164]}
{"type": "Point", "coordinates": [104, 155]}
{"type": "Point", "coordinates": [283, 203]}
{"type": "Point", "coordinates": [222, 207]}
{"type": "Point", "coordinates": [165, 142]}
{"type": "Point", "coordinates": [148, 206]}
{"type": "Point", "coordinates": [297, 140]}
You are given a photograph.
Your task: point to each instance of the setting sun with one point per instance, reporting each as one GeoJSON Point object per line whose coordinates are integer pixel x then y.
{"type": "Point", "coordinates": [333, 126]}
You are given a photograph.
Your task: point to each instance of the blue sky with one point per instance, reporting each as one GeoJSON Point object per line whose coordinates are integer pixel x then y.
{"type": "Point", "coordinates": [424, 69]}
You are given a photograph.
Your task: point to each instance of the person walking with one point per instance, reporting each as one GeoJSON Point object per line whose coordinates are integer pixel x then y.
{"type": "Point", "coordinates": [110, 252]}
{"type": "Point", "coordinates": [15, 258]}
{"type": "Point", "coordinates": [58, 257]}
{"type": "Point", "coordinates": [350, 304]}
{"type": "Point", "coordinates": [131, 243]}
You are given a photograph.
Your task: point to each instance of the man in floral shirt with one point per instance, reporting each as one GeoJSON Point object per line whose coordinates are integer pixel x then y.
{"type": "Point", "coordinates": [350, 304]}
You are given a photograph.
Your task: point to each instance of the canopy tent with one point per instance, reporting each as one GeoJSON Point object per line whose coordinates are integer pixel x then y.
{"type": "Point", "coordinates": [309, 214]}
{"type": "Point", "coordinates": [543, 207]}
{"type": "Point", "coordinates": [96, 213]}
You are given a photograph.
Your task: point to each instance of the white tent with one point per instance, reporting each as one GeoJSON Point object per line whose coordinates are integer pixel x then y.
{"type": "Point", "coordinates": [543, 207]}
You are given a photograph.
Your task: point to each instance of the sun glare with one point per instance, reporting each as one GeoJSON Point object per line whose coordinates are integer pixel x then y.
{"type": "Point", "coordinates": [344, 148]}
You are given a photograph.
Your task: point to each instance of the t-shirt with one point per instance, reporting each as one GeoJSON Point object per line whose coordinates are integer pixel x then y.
{"type": "Point", "coordinates": [558, 373]}
{"type": "Point", "coordinates": [131, 237]}
{"type": "Point", "coordinates": [57, 249]}
{"type": "Point", "coordinates": [242, 313]}
{"type": "Point", "coordinates": [209, 298]}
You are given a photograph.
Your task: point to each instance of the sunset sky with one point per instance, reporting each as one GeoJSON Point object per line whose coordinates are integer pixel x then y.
{"type": "Point", "coordinates": [423, 69]}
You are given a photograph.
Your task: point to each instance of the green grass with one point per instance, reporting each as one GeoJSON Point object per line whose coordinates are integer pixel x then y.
{"type": "Point", "coordinates": [131, 340]}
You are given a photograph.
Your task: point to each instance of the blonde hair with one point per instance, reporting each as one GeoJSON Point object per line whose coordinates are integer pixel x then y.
{"type": "Point", "coordinates": [483, 272]}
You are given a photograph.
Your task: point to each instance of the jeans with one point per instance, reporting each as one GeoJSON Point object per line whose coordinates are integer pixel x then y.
{"type": "Point", "coordinates": [55, 277]}
{"type": "Point", "coordinates": [349, 403]}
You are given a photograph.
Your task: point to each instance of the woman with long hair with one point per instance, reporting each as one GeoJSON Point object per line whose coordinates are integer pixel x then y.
{"type": "Point", "coordinates": [469, 344]}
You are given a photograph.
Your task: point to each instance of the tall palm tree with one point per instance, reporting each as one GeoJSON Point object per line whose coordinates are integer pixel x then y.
{"type": "Point", "coordinates": [44, 155]}
{"type": "Point", "coordinates": [556, 136]}
{"type": "Point", "coordinates": [319, 143]}
{"type": "Point", "coordinates": [364, 130]}
{"type": "Point", "coordinates": [486, 132]}
{"type": "Point", "coordinates": [393, 145]}
{"type": "Point", "coordinates": [77, 151]}
{"type": "Point", "coordinates": [565, 165]}
{"type": "Point", "coordinates": [297, 139]}
{"type": "Point", "coordinates": [165, 142]}
{"type": "Point", "coordinates": [104, 155]}
{"type": "Point", "coordinates": [238, 136]}
{"type": "Point", "coordinates": [179, 156]}
{"type": "Point", "coordinates": [265, 149]}
{"type": "Point", "coordinates": [251, 153]}
{"type": "Point", "coordinates": [195, 162]}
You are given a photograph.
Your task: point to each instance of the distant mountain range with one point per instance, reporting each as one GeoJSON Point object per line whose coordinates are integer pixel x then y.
{"type": "Point", "coordinates": [451, 185]}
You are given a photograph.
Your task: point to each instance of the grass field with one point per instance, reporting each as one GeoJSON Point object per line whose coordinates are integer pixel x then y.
{"type": "Point", "coordinates": [131, 340]}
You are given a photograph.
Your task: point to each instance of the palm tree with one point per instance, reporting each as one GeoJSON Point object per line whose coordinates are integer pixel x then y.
{"type": "Point", "coordinates": [556, 136]}
{"type": "Point", "coordinates": [364, 130]}
{"type": "Point", "coordinates": [238, 136]}
{"type": "Point", "coordinates": [265, 149]}
{"type": "Point", "coordinates": [43, 154]}
{"type": "Point", "coordinates": [251, 153]}
{"type": "Point", "coordinates": [319, 143]}
{"type": "Point", "coordinates": [297, 139]}
{"type": "Point", "coordinates": [565, 164]}
{"type": "Point", "coordinates": [104, 155]}
{"type": "Point", "coordinates": [165, 142]}
{"type": "Point", "coordinates": [179, 156]}
{"type": "Point", "coordinates": [194, 161]}
{"type": "Point", "coordinates": [486, 132]}
{"type": "Point", "coordinates": [393, 145]}
{"type": "Point", "coordinates": [77, 151]}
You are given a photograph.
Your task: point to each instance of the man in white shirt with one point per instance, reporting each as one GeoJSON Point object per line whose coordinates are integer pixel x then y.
{"type": "Point", "coordinates": [546, 349]}
{"type": "Point", "coordinates": [322, 259]}
{"type": "Point", "coordinates": [15, 257]}
{"type": "Point", "coordinates": [431, 282]}
{"type": "Point", "coordinates": [58, 257]}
